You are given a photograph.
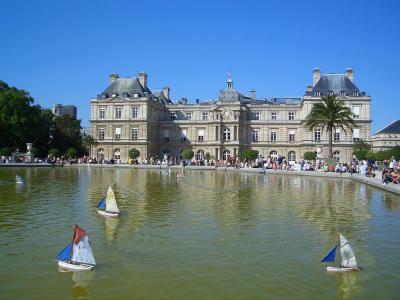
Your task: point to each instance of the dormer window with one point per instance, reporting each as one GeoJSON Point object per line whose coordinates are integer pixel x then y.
{"type": "Point", "coordinates": [342, 93]}
{"type": "Point", "coordinates": [317, 93]}
{"type": "Point", "coordinates": [173, 115]}
{"type": "Point", "coordinates": [115, 95]}
{"type": "Point", "coordinates": [355, 93]}
{"type": "Point", "coordinates": [135, 95]}
{"type": "Point", "coordinates": [330, 93]}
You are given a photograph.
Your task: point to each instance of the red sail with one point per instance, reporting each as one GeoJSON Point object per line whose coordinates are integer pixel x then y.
{"type": "Point", "coordinates": [78, 234]}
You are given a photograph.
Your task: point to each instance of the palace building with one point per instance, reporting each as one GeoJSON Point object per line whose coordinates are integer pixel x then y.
{"type": "Point", "coordinates": [127, 114]}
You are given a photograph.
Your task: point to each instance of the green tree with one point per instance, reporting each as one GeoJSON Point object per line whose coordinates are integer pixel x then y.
{"type": "Point", "coordinates": [54, 152]}
{"type": "Point", "coordinates": [87, 142]}
{"type": "Point", "coordinates": [187, 154]}
{"type": "Point", "coordinates": [71, 153]}
{"type": "Point", "coordinates": [66, 133]}
{"type": "Point", "coordinates": [21, 121]}
{"type": "Point", "coordinates": [207, 156]}
{"type": "Point", "coordinates": [248, 154]}
{"type": "Point", "coordinates": [34, 151]}
{"type": "Point", "coordinates": [134, 153]}
{"type": "Point", "coordinates": [309, 155]}
{"type": "Point", "coordinates": [330, 113]}
{"type": "Point", "coordinates": [6, 151]}
{"type": "Point", "coordinates": [361, 154]}
{"type": "Point", "coordinates": [361, 145]}
{"type": "Point", "coordinates": [394, 152]}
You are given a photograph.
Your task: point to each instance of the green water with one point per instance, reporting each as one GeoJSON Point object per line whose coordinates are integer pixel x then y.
{"type": "Point", "coordinates": [208, 236]}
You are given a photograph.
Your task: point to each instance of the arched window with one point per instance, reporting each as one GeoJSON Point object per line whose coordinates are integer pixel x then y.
{"type": "Point", "coordinates": [336, 156]}
{"type": "Point", "coordinates": [117, 153]}
{"type": "Point", "coordinates": [100, 154]}
{"type": "Point", "coordinates": [200, 155]}
{"type": "Point", "coordinates": [227, 134]}
{"type": "Point", "coordinates": [292, 156]}
{"type": "Point", "coordinates": [226, 154]}
{"type": "Point", "coordinates": [273, 154]}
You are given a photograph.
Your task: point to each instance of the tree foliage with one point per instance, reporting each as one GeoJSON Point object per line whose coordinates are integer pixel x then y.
{"type": "Point", "coordinates": [66, 133]}
{"type": "Point", "coordinates": [361, 145]}
{"type": "Point", "coordinates": [54, 152]}
{"type": "Point", "coordinates": [248, 154]}
{"type": "Point", "coordinates": [71, 153]}
{"type": "Point", "coordinates": [187, 154]}
{"type": "Point", "coordinates": [330, 114]}
{"type": "Point", "coordinates": [134, 153]}
{"type": "Point", "coordinates": [309, 155]}
{"type": "Point", "coordinates": [5, 151]}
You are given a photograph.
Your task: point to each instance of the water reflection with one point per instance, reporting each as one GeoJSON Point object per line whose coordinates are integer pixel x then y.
{"type": "Point", "coordinates": [347, 282]}
{"type": "Point", "coordinates": [80, 288]}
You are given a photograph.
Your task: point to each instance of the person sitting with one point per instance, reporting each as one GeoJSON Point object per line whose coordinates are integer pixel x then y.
{"type": "Point", "coordinates": [370, 171]}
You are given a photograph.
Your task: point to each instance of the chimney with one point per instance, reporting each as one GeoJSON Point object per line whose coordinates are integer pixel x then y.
{"type": "Point", "coordinates": [309, 88]}
{"type": "Point", "coordinates": [143, 79]}
{"type": "Point", "coordinates": [184, 101]}
{"type": "Point", "coordinates": [165, 92]}
{"type": "Point", "coordinates": [113, 77]}
{"type": "Point", "coordinates": [349, 73]}
{"type": "Point", "coordinates": [253, 94]}
{"type": "Point", "coordinates": [316, 76]}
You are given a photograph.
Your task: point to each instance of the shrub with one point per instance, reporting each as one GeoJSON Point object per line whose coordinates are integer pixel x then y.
{"type": "Point", "coordinates": [54, 152]}
{"type": "Point", "coordinates": [6, 151]}
{"type": "Point", "coordinates": [361, 154]}
{"type": "Point", "coordinates": [187, 154]}
{"type": "Point", "coordinates": [309, 155]}
{"type": "Point", "coordinates": [134, 153]}
{"type": "Point", "coordinates": [71, 152]}
{"type": "Point", "coordinates": [34, 151]}
{"type": "Point", "coordinates": [249, 154]}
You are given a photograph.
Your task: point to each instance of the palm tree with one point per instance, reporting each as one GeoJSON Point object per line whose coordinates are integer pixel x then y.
{"type": "Point", "coordinates": [330, 113]}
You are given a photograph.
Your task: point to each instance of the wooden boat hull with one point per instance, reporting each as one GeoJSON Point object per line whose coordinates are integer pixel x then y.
{"type": "Point", "coordinates": [108, 214]}
{"type": "Point", "coordinates": [73, 267]}
{"type": "Point", "coordinates": [340, 269]}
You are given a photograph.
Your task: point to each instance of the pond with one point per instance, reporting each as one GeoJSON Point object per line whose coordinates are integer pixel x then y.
{"type": "Point", "coordinates": [210, 235]}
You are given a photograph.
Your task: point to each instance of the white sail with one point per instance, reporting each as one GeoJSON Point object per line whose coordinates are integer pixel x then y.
{"type": "Point", "coordinates": [111, 202]}
{"type": "Point", "coordinates": [347, 254]}
{"type": "Point", "coordinates": [82, 253]}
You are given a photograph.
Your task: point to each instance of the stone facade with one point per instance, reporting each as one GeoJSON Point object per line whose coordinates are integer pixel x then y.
{"type": "Point", "coordinates": [128, 115]}
{"type": "Point", "coordinates": [387, 138]}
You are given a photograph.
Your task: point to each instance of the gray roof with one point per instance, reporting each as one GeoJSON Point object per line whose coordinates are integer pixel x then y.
{"type": "Point", "coordinates": [393, 127]}
{"type": "Point", "coordinates": [338, 84]}
{"type": "Point", "coordinates": [230, 95]}
{"type": "Point", "coordinates": [125, 87]}
{"type": "Point", "coordinates": [160, 96]}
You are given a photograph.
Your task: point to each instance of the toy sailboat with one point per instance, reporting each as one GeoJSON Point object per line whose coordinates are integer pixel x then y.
{"type": "Point", "coordinates": [19, 179]}
{"type": "Point", "coordinates": [108, 206]}
{"type": "Point", "coordinates": [77, 256]}
{"type": "Point", "coordinates": [344, 258]}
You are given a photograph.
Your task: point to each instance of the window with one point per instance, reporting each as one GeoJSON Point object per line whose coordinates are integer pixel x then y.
{"type": "Point", "coordinates": [356, 134]}
{"type": "Point", "coordinates": [166, 135]}
{"type": "Point", "coordinates": [292, 156]}
{"type": "Point", "coordinates": [336, 136]}
{"type": "Point", "coordinates": [135, 111]}
{"type": "Point", "coordinates": [342, 93]}
{"type": "Point", "coordinates": [200, 135]}
{"type": "Point", "coordinates": [330, 93]}
{"type": "Point", "coordinates": [135, 95]}
{"type": "Point", "coordinates": [117, 154]}
{"type": "Point", "coordinates": [200, 155]}
{"type": "Point", "coordinates": [188, 116]}
{"type": "Point", "coordinates": [273, 116]}
{"type": "Point", "coordinates": [356, 112]}
{"type": "Point", "coordinates": [227, 134]}
{"type": "Point", "coordinates": [355, 93]}
{"type": "Point", "coordinates": [184, 136]}
{"type": "Point", "coordinates": [173, 115]}
{"type": "Point", "coordinates": [336, 156]}
{"type": "Point", "coordinates": [317, 93]}
{"type": "Point", "coordinates": [216, 116]}
{"type": "Point", "coordinates": [255, 135]}
{"type": "Point", "coordinates": [118, 133]}
{"type": "Point", "coordinates": [291, 116]}
{"type": "Point", "coordinates": [102, 113]}
{"type": "Point", "coordinates": [101, 133]}
{"type": "Point", "coordinates": [291, 136]}
{"type": "Point", "coordinates": [273, 136]}
{"type": "Point", "coordinates": [165, 153]}
{"type": "Point", "coordinates": [226, 154]}
{"type": "Point", "coordinates": [118, 112]}
{"type": "Point", "coordinates": [134, 134]}
{"type": "Point", "coordinates": [256, 116]}
{"type": "Point", "coordinates": [317, 135]}
{"type": "Point", "coordinates": [205, 116]}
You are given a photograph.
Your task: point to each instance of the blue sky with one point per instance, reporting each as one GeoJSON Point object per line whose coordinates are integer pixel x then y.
{"type": "Point", "coordinates": [63, 51]}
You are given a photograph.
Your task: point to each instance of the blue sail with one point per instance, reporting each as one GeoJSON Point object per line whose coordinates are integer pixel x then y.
{"type": "Point", "coordinates": [102, 204]}
{"type": "Point", "coordinates": [66, 253]}
{"type": "Point", "coordinates": [331, 256]}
